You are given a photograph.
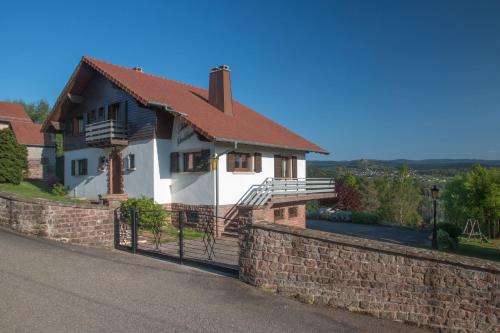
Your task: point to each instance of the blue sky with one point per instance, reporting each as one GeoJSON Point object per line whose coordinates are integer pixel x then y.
{"type": "Point", "coordinates": [363, 79]}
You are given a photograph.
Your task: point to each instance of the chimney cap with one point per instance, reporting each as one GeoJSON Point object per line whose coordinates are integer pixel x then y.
{"type": "Point", "coordinates": [138, 69]}
{"type": "Point", "coordinates": [221, 68]}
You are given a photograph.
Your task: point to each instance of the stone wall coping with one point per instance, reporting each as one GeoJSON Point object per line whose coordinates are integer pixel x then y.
{"type": "Point", "coordinates": [14, 197]}
{"type": "Point", "coordinates": [375, 245]}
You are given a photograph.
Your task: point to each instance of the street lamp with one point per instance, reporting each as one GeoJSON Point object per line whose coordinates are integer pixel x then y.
{"type": "Point", "coordinates": [435, 196]}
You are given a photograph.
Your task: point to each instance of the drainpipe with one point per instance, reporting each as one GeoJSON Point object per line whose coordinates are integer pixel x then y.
{"type": "Point", "coordinates": [216, 158]}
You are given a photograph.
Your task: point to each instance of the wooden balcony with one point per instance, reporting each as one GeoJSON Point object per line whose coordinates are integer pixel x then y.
{"type": "Point", "coordinates": [106, 134]}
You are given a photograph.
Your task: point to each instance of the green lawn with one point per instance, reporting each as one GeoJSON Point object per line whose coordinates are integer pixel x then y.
{"type": "Point", "coordinates": [171, 234]}
{"type": "Point", "coordinates": [479, 249]}
{"type": "Point", "coordinates": [35, 189]}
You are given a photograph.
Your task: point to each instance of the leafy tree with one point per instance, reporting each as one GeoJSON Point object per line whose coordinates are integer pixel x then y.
{"type": "Point", "coordinates": [13, 158]}
{"type": "Point", "coordinates": [399, 198]}
{"type": "Point", "coordinates": [368, 192]}
{"type": "Point", "coordinates": [38, 111]}
{"type": "Point", "coordinates": [151, 216]}
{"type": "Point", "coordinates": [348, 198]}
{"type": "Point", "coordinates": [475, 194]}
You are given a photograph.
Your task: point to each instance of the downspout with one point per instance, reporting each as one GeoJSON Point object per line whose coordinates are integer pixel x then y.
{"type": "Point", "coordinates": [216, 158]}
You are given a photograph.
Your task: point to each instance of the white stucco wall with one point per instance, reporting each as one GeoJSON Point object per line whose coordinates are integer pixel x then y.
{"type": "Point", "coordinates": [94, 183]}
{"type": "Point", "coordinates": [191, 188]}
{"type": "Point", "coordinates": [233, 185]}
{"type": "Point", "coordinates": [139, 182]}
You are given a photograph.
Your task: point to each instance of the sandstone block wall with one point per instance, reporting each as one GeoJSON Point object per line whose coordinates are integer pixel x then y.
{"type": "Point", "coordinates": [67, 222]}
{"type": "Point", "coordinates": [417, 286]}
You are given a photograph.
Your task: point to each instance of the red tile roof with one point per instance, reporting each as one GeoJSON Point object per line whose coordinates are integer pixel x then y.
{"type": "Point", "coordinates": [27, 133]}
{"type": "Point", "coordinates": [245, 126]}
{"type": "Point", "coordinates": [13, 112]}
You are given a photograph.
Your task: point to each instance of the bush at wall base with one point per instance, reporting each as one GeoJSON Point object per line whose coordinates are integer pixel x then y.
{"type": "Point", "coordinates": [150, 215]}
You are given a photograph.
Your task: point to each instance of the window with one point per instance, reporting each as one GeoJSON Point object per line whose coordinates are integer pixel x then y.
{"type": "Point", "coordinates": [279, 214]}
{"type": "Point", "coordinates": [131, 161]}
{"type": "Point", "coordinates": [293, 212]}
{"type": "Point", "coordinates": [197, 161]}
{"type": "Point", "coordinates": [91, 117]}
{"type": "Point", "coordinates": [78, 126]}
{"type": "Point", "coordinates": [79, 167]}
{"type": "Point", "coordinates": [241, 162]}
{"type": "Point", "coordinates": [100, 115]}
{"type": "Point", "coordinates": [114, 111]}
{"type": "Point", "coordinates": [174, 162]}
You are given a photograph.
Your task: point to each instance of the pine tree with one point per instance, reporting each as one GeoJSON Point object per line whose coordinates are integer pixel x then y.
{"type": "Point", "coordinates": [13, 158]}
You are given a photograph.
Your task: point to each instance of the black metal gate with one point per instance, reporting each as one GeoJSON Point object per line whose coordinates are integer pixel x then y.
{"type": "Point", "coordinates": [185, 237]}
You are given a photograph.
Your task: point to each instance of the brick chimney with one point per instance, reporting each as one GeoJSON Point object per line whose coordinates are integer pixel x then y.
{"type": "Point", "coordinates": [219, 89]}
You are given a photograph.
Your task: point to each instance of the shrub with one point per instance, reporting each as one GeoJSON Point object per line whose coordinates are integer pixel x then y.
{"type": "Point", "coordinates": [365, 218]}
{"type": "Point", "coordinates": [59, 189]}
{"type": "Point", "coordinates": [340, 216]}
{"type": "Point", "coordinates": [13, 158]}
{"type": "Point", "coordinates": [445, 241]}
{"type": "Point", "coordinates": [151, 216]}
{"type": "Point", "coordinates": [453, 230]}
{"type": "Point", "coordinates": [52, 181]}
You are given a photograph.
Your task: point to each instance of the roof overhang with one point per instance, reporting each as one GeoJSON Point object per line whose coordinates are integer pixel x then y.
{"type": "Point", "coordinates": [254, 143]}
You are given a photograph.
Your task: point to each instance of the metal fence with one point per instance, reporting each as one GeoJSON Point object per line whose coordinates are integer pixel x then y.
{"type": "Point", "coordinates": [185, 237]}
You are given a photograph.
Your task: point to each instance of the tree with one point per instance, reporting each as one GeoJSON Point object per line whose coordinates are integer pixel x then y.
{"type": "Point", "coordinates": [475, 194]}
{"type": "Point", "coordinates": [399, 198]}
{"type": "Point", "coordinates": [348, 198]}
{"type": "Point", "coordinates": [13, 158]}
{"type": "Point", "coordinates": [38, 111]}
{"type": "Point", "coordinates": [368, 192]}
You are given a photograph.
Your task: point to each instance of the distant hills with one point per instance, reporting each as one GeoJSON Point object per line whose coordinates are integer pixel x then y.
{"type": "Point", "coordinates": [365, 167]}
{"type": "Point", "coordinates": [413, 164]}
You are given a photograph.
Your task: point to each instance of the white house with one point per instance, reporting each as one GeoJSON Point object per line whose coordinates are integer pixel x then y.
{"type": "Point", "coordinates": [129, 133]}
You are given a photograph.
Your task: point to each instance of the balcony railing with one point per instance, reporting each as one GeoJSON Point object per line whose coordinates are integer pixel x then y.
{"type": "Point", "coordinates": [313, 188]}
{"type": "Point", "coordinates": [106, 132]}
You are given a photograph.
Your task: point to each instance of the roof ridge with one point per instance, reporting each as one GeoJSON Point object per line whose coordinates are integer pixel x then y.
{"type": "Point", "coordinates": [145, 73]}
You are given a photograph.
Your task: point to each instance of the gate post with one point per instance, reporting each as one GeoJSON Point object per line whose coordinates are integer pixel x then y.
{"type": "Point", "coordinates": [182, 215]}
{"type": "Point", "coordinates": [133, 229]}
{"type": "Point", "coordinates": [117, 228]}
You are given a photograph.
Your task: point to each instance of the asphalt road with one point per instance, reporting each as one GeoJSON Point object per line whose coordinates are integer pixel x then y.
{"type": "Point", "coordinates": [395, 235]}
{"type": "Point", "coordinates": [52, 287]}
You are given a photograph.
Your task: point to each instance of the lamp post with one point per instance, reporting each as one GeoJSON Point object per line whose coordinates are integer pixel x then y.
{"type": "Point", "coordinates": [435, 195]}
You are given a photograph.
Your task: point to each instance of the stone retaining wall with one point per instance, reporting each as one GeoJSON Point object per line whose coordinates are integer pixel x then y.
{"type": "Point", "coordinates": [83, 224]}
{"type": "Point", "coordinates": [417, 286]}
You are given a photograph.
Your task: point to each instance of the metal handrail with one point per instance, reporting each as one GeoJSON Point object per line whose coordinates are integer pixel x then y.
{"type": "Point", "coordinates": [260, 194]}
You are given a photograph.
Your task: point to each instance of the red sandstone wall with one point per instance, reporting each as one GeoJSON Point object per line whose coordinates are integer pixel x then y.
{"type": "Point", "coordinates": [67, 222]}
{"type": "Point", "coordinates": [423, 287]}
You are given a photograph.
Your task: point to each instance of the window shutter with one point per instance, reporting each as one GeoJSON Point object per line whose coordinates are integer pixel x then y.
{"type": "Point", "coordinates": [230, 162]}
{"type": "Point", "coordinates": [257, 162]}
{"type": "Point", "coordinates": [84, 167]}
{"type": "Point", "coordinates": [278, 168]}
{"type": "Point", "coordinates": [174, 162]}
{"type": "Point", "coordinates": [205, 157]}
{"type": "Point", "coordinates": [73, 167]}
{"type": "Point", "coordinates": [294, 166]}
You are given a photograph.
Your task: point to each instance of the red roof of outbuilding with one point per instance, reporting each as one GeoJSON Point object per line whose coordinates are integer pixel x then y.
{"type": "Point", "coordinates": [28, 133]}
{"type": "Point", "coordinates": [13, 112]}
{"type": "Point", "coordinates": [245, 126]}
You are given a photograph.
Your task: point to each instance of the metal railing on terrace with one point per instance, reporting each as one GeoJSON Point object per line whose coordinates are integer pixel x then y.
{"type": "Point", "coordinates": [104, 131]}
{"type": "Point", "coordinates": [259, 195]}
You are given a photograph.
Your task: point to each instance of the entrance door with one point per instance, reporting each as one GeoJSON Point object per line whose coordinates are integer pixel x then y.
{"type": "Point", "coordinates": [285, 166]}
{"type": "Point", "coordinates": [115, 174]}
